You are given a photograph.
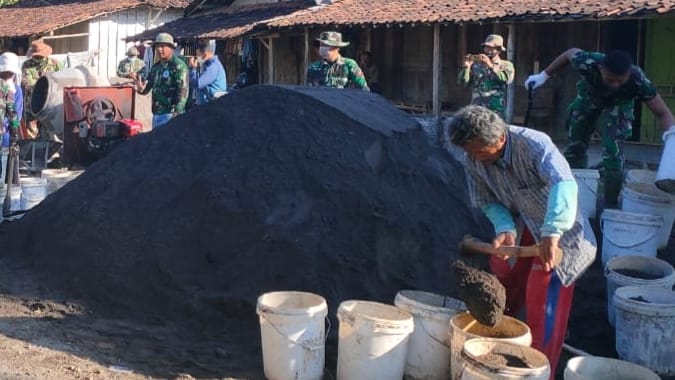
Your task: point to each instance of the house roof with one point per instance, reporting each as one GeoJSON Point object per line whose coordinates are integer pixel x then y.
{"type": "Point", "coordinates": [31, 17]}
{"type": "Point", "coordinates": [361, 12]}
{"type": "Point", "coordinates": [226, 22]}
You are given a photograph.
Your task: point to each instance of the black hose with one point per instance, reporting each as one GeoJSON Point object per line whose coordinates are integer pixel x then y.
{"type": "Point", "coordinates": [530, 91]}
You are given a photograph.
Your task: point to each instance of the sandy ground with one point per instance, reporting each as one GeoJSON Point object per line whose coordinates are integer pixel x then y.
{"type": "Point", "coordinates": [44, 336]}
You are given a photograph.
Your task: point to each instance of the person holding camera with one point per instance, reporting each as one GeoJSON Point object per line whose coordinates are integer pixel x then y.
{"type": "Point", "coordinates": [488, 75]}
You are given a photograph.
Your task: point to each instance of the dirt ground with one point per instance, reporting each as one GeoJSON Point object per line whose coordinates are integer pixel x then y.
{"type": "Point", "coordinates": [46, 335]}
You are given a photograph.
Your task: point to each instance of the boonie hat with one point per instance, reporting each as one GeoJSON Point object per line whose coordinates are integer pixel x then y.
{"type": "Point", "coordinates": [332, 39]}
{"type": "Point", "coordinates": [495, 40]}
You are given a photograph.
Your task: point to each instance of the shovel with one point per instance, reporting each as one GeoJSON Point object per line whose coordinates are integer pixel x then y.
{"type": "Point", "coordinates": [13, 155]}
{"type": "Point", "coordinates": [471, 244]}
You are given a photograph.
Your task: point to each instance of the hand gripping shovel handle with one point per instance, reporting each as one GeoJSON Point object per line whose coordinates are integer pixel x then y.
{"type": "Point", "coordinates": [473, 245]}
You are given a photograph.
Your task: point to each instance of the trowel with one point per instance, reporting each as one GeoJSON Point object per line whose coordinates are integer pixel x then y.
{"type": "Point", "coordinates": [470, 244]}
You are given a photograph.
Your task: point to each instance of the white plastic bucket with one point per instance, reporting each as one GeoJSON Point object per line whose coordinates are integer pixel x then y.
{"type": "Point", "coordinates": [665, 177]}
{"type": "Point", "coordinates": [640, 176]}
{"type": "Point", "coordinates": [587, 181]}
{"type": "Point", "coordinates": [647, 199]}
{"type": "Point", "coordinates": [429, 348]}
{"type": "Point", "coordinates": [493, 359]}
{"type": "Point", "coordinates": [628, 234]}
{"type": "Point", "coordinates": [57, 178]}
{"type": "Point", "coordinates": [636, 271]}
{"type": "Point", "coordinates": [293, 335]}
{"type": "Point", "coordinates": [508, 330]}
{"type": "Point", "coordinates": [33, 191]}
{"type": "Point", "coordinates": [373, 340]}
{"type": "Point", "coordinates": [645, 327]}
{"type": "Point", "coordinates": [598, 368]}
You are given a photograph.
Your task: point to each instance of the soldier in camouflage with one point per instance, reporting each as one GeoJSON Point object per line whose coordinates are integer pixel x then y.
{"type": "Point", "coordinates": [131, 66]}
{"type": "Point", "coordinates": [10, 108]}
{"type": "Point", "coordinates": [168, 80]}
{"type": "Point", "coordinates": [32, 69]}
{"type": "Point", "coordinates": [488, 75]}
{"type": "Point", "coordinates": [607, 89]}
{"type": "Point", "coordinates": [334, 70]}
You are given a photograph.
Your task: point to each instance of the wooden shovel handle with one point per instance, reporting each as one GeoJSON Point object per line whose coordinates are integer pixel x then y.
{"type": "Point", "coordinates": [472, 244]}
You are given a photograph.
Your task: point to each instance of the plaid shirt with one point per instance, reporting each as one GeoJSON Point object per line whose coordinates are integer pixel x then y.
{"type": "Point", "coordinates": [521, 181]}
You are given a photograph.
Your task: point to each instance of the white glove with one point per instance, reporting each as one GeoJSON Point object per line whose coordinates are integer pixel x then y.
{"type": "Point", "coordinates": [537, 79]}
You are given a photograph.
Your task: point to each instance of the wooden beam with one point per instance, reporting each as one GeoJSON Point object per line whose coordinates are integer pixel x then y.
{"type": "Point", "coordinates": [305, 60]}
{"type": "Point", "coordinates": [57, 36]}
{"type": "Point", "coordinates": [270, 61]}
{"type": "Point", "coordinates": [437, 71]}
{"type": "Point", "coordinates": [511, 87]}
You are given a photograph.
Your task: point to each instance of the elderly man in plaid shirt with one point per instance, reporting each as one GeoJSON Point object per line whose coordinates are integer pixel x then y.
{"type": "Point", "coordinates": [526, 188]}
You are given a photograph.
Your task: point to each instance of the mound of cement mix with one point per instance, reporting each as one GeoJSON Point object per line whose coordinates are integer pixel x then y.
{"type": "Point", "coordinates": [268, 188]}
{"type": "Point", "coordinates": [483, 294]}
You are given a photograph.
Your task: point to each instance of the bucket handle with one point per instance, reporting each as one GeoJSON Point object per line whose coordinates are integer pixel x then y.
{"type": "Point", "coordinates": [649, 237]}
{"type": "Point", "coordinates": [304, 346]}
{"type": "Point", "coordinates": [446, 345]}
{"type": "Point", "coordinates": [594, 191]}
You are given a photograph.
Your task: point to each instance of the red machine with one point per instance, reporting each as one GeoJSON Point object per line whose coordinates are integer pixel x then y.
{"type": "Point", "coordinates": [96, 119]}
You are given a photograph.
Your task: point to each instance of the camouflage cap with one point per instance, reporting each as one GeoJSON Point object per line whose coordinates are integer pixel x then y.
{"type": "Point", "coordinates": [332, 39]}
{"type": "Point", "coordinates": [164, 39]}
{"type": "Point", "coordinates": [495, 40]}
{"type": "Point", "coordinates": [132, 52]}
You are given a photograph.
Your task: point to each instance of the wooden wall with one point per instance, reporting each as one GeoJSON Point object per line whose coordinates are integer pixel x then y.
{"type": "Point", "coordinates": [404, 56]}
{"type": "Point", "coordinates": [107, 33]}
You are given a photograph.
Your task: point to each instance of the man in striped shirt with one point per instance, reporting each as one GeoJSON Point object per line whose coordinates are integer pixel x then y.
{"type": "Point", "coordinates": [526, 188]}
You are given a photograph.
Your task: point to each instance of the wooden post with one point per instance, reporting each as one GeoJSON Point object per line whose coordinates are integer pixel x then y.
{"type": "Point", "coordinates": [270, 61]}
{"type": "Point", "coordinates": [305, 60]}
{"type": "Point", "coordinates": [437, 71]}
{"type": "Point", "coordinates": [511, 88]}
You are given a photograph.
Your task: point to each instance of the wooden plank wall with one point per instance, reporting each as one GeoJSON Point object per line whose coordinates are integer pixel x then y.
{"type": "Point", "coordinates": [107, 33]}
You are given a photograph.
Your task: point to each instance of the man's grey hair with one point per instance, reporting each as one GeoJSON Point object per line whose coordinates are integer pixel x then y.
{"type": "Point", "coordinates": [476, 123]}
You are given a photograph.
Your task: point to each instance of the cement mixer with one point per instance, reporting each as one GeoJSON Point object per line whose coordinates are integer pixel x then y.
{"type": "Point", "coordinates": [47, 99]}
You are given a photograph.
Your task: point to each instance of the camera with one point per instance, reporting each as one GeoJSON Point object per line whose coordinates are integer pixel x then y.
{"type": "Point", "coordinates": [473, 57]}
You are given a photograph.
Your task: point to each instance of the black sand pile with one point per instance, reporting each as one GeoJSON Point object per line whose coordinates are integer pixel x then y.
{"type": "Point", "coordinates": [268, 188]}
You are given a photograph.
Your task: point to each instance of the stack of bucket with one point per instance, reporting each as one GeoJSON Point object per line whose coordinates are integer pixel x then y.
{"type": "Point", "coordinates": [645, 221]}
{"type": "Point", "coordinates": [425, 336]}
{"type": "Point", "coordinates": [640, 299]}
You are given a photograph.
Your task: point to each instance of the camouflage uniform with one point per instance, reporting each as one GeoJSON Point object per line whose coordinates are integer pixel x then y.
{"type": "Point", "coordinates": [342, 73]}
{"type": "Point", "coordinates": [31, 71]}
{"type": "Point", "coordinates": [168, 81]}
{"type": "Point", "coordinates": [131, 65]}
{"type": "Point", "coordinates": [611, 109]}
{"type": "Point", "coordinates": [8, 109]}
{"type": "Point", "coordinates": [488, 85]}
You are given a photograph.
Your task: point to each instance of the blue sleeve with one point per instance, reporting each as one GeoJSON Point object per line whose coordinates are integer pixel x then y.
{"type": "Point", "coordinates": [208, 75]}
{"type": "Point", "coordinates": [18, 101]}
{"type": "Point", "coordinates": [193, 77]}
{"type": "Point", "coordinates": [562, 209]}
{"type": "Point", "coordinates": [500, 217]}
